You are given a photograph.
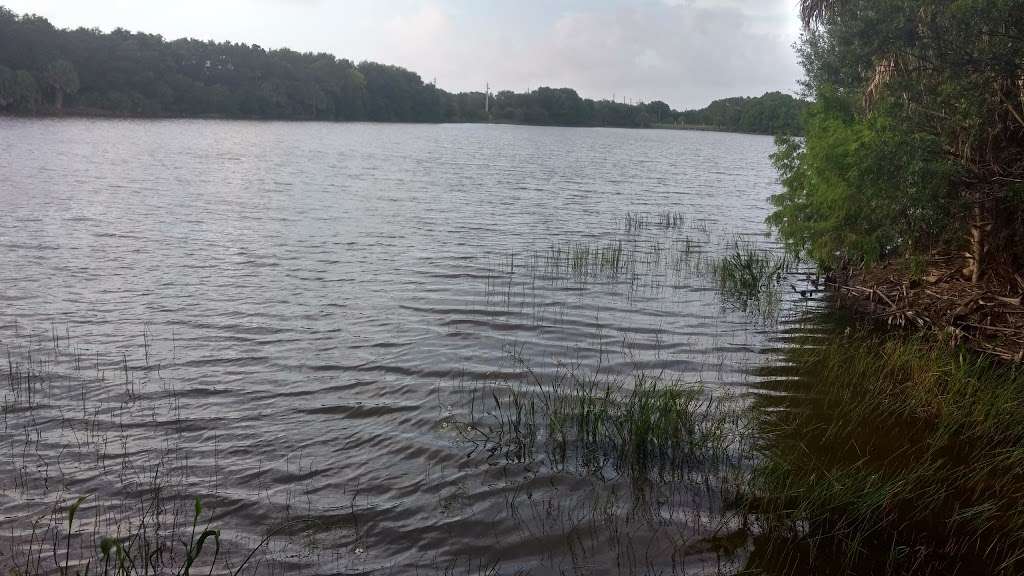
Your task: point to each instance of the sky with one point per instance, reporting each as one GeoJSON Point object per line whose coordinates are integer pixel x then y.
{"type": "Point", "coordinates": [685, 52]}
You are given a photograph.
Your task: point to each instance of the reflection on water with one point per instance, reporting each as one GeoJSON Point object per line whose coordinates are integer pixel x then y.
{"type": "Point", "coordinates": [293, 321]}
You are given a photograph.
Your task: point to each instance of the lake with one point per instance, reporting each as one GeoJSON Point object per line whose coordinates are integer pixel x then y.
{"type": "Point", "coordinates": [304, 325]}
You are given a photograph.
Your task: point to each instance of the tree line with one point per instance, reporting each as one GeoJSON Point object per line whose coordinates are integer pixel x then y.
{"type": "Point", "coordinates": [48, 70]}
{"type": "Point", "coordinates": [915, 142]}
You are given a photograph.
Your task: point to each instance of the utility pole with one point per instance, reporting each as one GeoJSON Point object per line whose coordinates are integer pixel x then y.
{"type": "Point", "coordinates": [487, 100]}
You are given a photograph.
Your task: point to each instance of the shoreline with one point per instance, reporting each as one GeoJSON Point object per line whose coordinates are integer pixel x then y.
{"type": "Point", "coordinates": [932, 297]}
{"type": "Point", "coordinates": [105, 115]}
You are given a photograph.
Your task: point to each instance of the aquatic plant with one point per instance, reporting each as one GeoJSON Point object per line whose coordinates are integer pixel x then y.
{"type": "Point", "coordinates": [890, 455]}
{"type": "Point", "coordinates": [598, 423]}
{"type": "Point", "coordinates": [137, 524]}
{"type": "Point", "coordinates": [749, 279]}
{"type": "Point", "coordinates": [584, 261]}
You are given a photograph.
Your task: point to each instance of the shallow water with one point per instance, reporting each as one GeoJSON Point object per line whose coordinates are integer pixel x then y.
{"type": "Point", "coordinates": [291, 317]}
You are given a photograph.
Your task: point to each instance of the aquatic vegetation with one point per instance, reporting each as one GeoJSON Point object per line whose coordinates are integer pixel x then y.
{"type": "Point", "coordinates": [583, 260]}
{"type": "Point", "coordinates": [602, 424]}
{"type": "Point", "coordinates": [890, 455]}
{"type": "Point", "coordinates": [749, 278]}
{"type": "Point", "coordinates": [657, 251]}
{"type": "Point", "coordinates": [141, 516]}
{"type": "Point", "coordinates": [636, 221]}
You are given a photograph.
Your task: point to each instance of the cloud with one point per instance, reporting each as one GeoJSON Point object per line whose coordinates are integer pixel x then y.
{"type": "Point", "coordinates": [686, 52]}
{"type": "Point", "coordinates": [421, 37]}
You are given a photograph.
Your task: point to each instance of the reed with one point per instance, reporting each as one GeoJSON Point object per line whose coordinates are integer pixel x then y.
{"type": "Point", "coordinates": [749, 278]}
{"type": "Point", "coordinates": [62, 422]}
{"type": "Point", "coordinates": [891, 456]}
{"type": "Point", "coordinates": [598, 423]}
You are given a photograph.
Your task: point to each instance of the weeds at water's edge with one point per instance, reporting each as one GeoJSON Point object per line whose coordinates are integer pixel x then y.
{"type": "Point", "coordinates": [638, 425]}
{"type": "Point", "coordinates": [61, 420]}
{"type": "Point", "coordinates": [140, 550]}
{"type": "Point", "coordinates": [890, 456]}
{"type": "Point", "coordinates": [885, 456]}
{"type": "Point", "coordinates": [749, 278]}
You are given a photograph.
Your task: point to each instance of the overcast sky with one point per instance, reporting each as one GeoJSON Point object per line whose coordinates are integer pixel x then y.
{"type": "Point", "coordinates": [686, 52]}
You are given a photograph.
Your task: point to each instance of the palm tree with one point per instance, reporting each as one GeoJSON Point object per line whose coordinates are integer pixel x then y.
{"type": "Point", "coordinates": [61, 76]}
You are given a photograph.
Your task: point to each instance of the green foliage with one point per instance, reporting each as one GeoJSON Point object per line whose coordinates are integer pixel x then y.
{"type": "Point", "coordinates": [62, 78]}
{"type": "Point", "coordinates": [640, 426]}
{"type": "Point", "coordinates": [138, 552]}
{"type": "Point", "coordinates": [135, 74]}
{"type": "Point", "coordinates": [918, 135]}
{"type": "Point", "coordinates": [749, 279]}
{"type": "Point", "coordinates": [890, 456]}
{"type": "Point", "coordinates": [773, 113]}
{"type": "Point", "coordinates": [865, 188]}
{"type": "Point", "coordinates": [25, 94]}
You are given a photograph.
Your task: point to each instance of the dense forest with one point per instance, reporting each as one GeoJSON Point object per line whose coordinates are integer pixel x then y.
{"type": "Point", "coordinates": [915, 142]}
{"type": "Point", "coordinates": [773, 113]}
{"type": "Point", "coordinates": [46, 70]}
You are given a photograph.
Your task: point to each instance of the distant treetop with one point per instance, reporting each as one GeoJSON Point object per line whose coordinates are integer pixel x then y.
{"type": "Point", "coordinates": [44, 69]}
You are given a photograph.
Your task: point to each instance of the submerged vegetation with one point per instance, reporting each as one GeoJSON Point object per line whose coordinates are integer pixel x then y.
{"type": "Point", "coordinates": [657, 251]}
{"type": "Point", "coordinates": [136, 549]}
{"type": "Point", "coordinates": [861, 454]}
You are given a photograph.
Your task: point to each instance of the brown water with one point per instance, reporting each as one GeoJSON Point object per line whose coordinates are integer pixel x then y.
{"type": "Point", "coordinates": [290, 319]}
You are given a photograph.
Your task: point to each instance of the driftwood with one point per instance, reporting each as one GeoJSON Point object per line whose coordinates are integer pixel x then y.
{"type": "Point", "coordinates": [987, 316]}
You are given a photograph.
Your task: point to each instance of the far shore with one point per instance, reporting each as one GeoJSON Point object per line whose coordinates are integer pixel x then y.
{"type": "Point", "coordinates": [99, 113]}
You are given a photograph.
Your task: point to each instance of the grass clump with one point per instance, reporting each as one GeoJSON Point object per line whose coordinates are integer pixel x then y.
{"type": "Point", "coordinates": [749, 279]}
{"type": "Point", "coordinates": [583, 261]}
{"type": "Point", "coordinates": [142, 550]}
{"type": "Point", "coordinates": [891, 456]}
{"type": "Point", "coordinates": [639, 425]}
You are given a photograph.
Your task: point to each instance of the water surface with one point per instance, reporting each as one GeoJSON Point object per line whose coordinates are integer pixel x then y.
{"type": "Point", "coordinates": [301, 308]}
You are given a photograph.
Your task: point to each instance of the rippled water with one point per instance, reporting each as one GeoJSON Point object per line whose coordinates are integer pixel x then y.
{"type": "Point", "coordinates": [288, 317]}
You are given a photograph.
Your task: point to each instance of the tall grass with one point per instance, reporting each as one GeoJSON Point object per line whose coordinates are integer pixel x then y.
{"type": "Point", "coordinates": [749, 278]}
{"type": "Point", "coordinates": [891, 456]}
{"type": "Point", "coordinates": [89, 500]}
{"type": "Point", "coordinates": [584, 260]}
{"type": "Point", "coordinates": [638, 425]}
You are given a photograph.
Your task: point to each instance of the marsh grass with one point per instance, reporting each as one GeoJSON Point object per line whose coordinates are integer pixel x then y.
{"type": "Point", "coordinates": [583, 260]}
{"type": "Point", "coordinates": [891, 456]}
{"type": "Point", "coordinates": [602, 424]}
{"type": "Point", "coordinates": [88, 499]}
{"type": "Point", "coordinates": [658, 251]}
{"type": "Point", "coordinates": [749, 278]}
{"type": "Point", "coordinates": [653, 466]}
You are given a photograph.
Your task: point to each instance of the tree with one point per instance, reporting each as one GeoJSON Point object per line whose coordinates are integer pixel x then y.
{"type": "Point", "coordinates": [661, 111]}
{"type": "Point", "coordinates": [63, 79]}
{"type": "Point", "coordinates": [772, 113]}
{"type": "Point", "coordinates": [938, 70]}
{"type": "Point", "coordinates": [869, 188]}
{"type": "Point", "coordinates": [26, 92]}
{"type": "Point", "coordinates": [129, 73]}
{"type": "Point", "coordinates": [7, 85]}
{"type": "Point", "coordinates": [815, 11]}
